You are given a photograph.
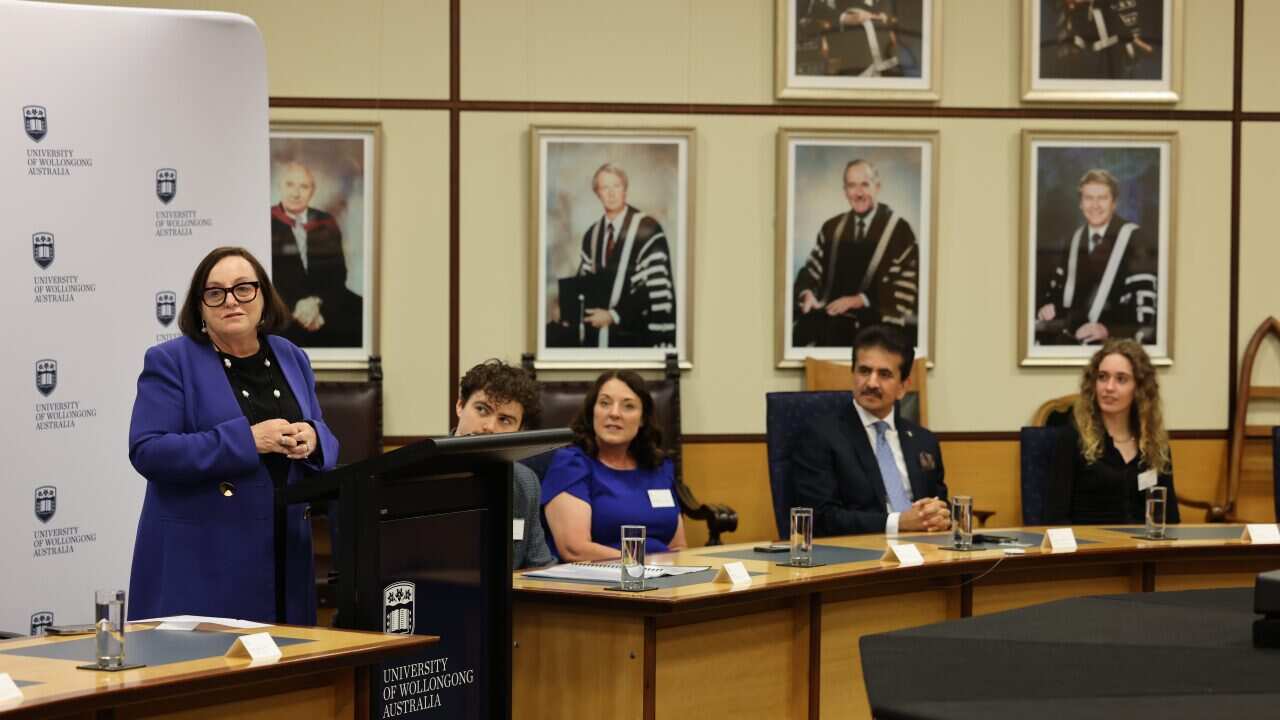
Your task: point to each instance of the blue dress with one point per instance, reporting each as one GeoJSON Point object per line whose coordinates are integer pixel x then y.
{"type": "Point", "coordinates": [616, 497]}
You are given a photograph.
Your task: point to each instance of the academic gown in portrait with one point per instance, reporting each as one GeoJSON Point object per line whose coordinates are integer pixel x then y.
{"type": "Point", "coordinates": [835, 472]}
{"type": "Point", "coordinates": [1115, 284]}
{"type": "Point", "coordinates": [637, 282]}
{"type": "Point", "coordinates": [197, 551]}
{"type": "Point", "coordinates": [323, 275]}
{"type": "Point", "coordinates": [882, 263]}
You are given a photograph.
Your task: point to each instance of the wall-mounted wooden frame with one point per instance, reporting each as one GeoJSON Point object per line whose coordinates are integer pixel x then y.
{"type": "Point", "coordinates": [611, 246]}
{"type": "Point", "coordinates": [889, 179]}
{"type": "Point", "coordinates": [1097, 244]}
{"type": "Point", "coordinates": [325, 218]}
{"type": "Point", "coordinates": [1102, 51]}
{"type": "Point", "coordinates": [858, 50]}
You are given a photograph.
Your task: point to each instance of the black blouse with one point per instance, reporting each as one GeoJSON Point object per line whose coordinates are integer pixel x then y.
{"type": "Point", "coordinates": [263, 394]}
{"type": "Point", "coordinates": [1101, 492]}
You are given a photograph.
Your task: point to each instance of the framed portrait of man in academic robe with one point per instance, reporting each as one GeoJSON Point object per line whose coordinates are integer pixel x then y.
{"type": "Point", "coordinates": [324, 222]}
{"type": "Point", "coordinates": [859, 50]}
{"type": "Point", "coordinates": [855, 239]}
{"type": "Point", "coordinates": [1097, 244]}
{"type": "Point", "coordinates": [611, 233]}
{"type": "Point", "coordinates": [1124, 51]}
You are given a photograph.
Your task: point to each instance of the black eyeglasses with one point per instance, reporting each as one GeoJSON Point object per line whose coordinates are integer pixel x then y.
{"type": "Point", "coordinates": [217, 297]}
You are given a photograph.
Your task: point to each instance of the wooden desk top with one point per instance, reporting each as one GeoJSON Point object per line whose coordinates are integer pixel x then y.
{"type": "Point", "coordinates": [1105, 546]}
{"type": "Point", "coordinates": [59, 687]}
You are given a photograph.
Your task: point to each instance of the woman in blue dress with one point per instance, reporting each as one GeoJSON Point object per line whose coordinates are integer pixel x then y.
{"type": "Point", "coordinates": [614, 474]}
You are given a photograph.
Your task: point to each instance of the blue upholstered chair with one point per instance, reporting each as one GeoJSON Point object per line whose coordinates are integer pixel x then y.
{"type": "Point", "coordinates": [785, 416]}
{"type": "Point", "coordinates": [1036, 445]}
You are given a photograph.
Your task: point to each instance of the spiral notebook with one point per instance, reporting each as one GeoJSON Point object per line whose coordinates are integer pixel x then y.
{"type": "Point", "coordinates": [610, 571]}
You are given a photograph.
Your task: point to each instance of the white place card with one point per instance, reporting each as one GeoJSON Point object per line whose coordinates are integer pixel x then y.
{"type": "Point", "coordinates": [183, 625]}
{"type": "Point", "coordinates": [1146, 480]}
{"type": "Point", "coordinates": [1059, 540]}
{"type": "Point", "coordinates": [735, 573]}
{"type": "Point", "coordinates": [1261, 534]}
{"type": "Point", "coordinates": [8, 689]}
{"type": "Point", "coordinates": [517, 528]}
{"type": "Point", "coordinates": [256, 647]}
{"type": "Point", "coordinates": [661, 498]}
{"type": "Point", "coordinates": [905, 554]}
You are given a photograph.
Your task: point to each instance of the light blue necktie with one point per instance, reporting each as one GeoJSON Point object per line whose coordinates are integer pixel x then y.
{"type": "Point", "coordinates": [897, 494]}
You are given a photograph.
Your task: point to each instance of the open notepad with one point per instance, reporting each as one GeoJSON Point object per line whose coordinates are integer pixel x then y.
{"type": "Point", "coordinates": [610, 571]}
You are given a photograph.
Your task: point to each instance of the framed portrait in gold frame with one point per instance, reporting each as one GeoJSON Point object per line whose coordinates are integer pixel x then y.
{"type": "Point", "coordinates": [1102, 51]}
{"type": "Point", "coordinates": [857, 218]}
{"type": "Point", "coordinates": [857, 50]}
{"type": "Point", "coordinates": [611, 246]}
{"type": "Point", "coordinates": [1097, 244]}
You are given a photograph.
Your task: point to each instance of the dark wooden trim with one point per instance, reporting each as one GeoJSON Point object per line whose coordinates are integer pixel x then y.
{"type": "Point", "coordinates": [815, 656]}
{"type": "Point", "coordinates": [726, 439]}
{"type": "Point", "coordinates": [976, 436]}
{"type": "Point", "coordinates": [650, 668]}
{"type": "Point", "coordinates": [455, 204]}
{"type": "Point", "coordinates": [1148, 577]}
{"type": "Point", "coordinates": [1237, 128]}
{"type": "Point", "coordinates": [1223, 434]}
{"type": "Point", "coordinates": [966, 596]}
{"type": "Point", "coordinates": [759, 109]}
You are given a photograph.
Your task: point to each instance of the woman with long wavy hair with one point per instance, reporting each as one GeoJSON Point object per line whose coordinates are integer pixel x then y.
{"type": "Point", "coordinates": [614, 474]}
{"type": "Point", "coordinates": [1116, 446]}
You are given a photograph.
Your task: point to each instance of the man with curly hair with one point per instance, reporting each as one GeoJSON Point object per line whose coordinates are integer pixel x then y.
{"type": "Point", "coordinates": [494, 397]}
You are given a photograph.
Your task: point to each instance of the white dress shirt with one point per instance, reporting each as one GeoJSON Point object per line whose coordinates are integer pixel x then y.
{"type": "Point", "coordinates": [890, 435]}
{"type": "Point", "coordinates": [300, 235]}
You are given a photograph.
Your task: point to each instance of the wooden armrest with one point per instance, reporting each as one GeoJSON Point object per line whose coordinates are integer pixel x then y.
{"type": "Point", "coordinates": [719, 518]}
{"type": "Point", "coordinates": [983, 516]}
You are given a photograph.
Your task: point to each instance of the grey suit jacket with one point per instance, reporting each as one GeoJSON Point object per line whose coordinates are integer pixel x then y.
{"type": "Point", "coordinates": [532, 551]}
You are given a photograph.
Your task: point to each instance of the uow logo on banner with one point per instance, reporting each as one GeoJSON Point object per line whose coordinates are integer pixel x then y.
{"type": "Point", "coordinates": [35, 120]}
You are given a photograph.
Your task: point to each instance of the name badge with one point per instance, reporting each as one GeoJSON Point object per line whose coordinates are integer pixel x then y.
{"type": "Point", "coordinates": [517, 529]}
{"type": "Point", "coordinates": [1146, 480]}
{"type": "Point", "coordinates": [661, 498]}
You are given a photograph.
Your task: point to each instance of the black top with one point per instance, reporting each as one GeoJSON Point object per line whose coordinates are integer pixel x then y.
{"type": "Point", "coordinates": [1102, 492]}
{"type": "Point", "coordinates": [263, 394]}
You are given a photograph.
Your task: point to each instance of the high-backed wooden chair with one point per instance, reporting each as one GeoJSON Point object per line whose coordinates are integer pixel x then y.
{"type": "Point", "coordinates": [1055, 412]}
{"type": "Point", "coordinates": [561, 401]}
{"type": "Point", "coordinates": [831, 375]}
{"type": "Point", "coordinates": [1247, 392]}
{"type": "Point", "coordinates": [353, 412]}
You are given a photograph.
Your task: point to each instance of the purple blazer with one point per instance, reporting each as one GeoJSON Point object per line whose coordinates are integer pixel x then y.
{"type": "Point", "coordinates": [198, 552]}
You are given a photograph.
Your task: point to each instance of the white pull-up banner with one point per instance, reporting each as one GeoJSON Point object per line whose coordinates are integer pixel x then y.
{"type": "Point", "coordinates": [132, 142]}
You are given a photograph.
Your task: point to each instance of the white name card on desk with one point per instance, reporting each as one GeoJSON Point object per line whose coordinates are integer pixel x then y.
{"type": "Point", "coordinates": [256, 647]}
{"type": "Point", "coordinates": [1261, 534]}
{"type": "Point", "coordinates": [905, 554]}
{"type": "Point", "coordinates": [8, 689]}
{"type": "Point", "coordinates": [734, 572]}
{"type": "Point", "coordinates": [517, 528]}
{"type": "Point", "coordinates": [183, 625]}
{"type": "Point", "coordinates": [1059, 540]}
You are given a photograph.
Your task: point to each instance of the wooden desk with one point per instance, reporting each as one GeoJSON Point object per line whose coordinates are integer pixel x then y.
{"type": "Point", "coordinates": [787, 646]}
{"type": "Point", "coordinates": [327, 677]}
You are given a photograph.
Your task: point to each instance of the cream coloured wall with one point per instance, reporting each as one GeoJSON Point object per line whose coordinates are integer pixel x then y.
{"type": "Point", "coordinates": [722, 51]}
{"type": "Point", "coordinates": [977, 255]}
{"type": "Point", "coordinates": [1260, 255]}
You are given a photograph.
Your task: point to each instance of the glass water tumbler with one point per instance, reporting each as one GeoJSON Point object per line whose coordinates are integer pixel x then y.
{"type": "Point", "coordinates": [801, 536]}
{"type": "Point", "coordinates": [109, 619]}
{"type": "Point", "coordinates": [962, 521]}
{"type": "Point", "coordinates": [633, 538]}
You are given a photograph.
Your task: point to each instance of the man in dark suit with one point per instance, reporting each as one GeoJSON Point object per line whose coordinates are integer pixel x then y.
{"type": "Point", "coordinates": [867, 469]}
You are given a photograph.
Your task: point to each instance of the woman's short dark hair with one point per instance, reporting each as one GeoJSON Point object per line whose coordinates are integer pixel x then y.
{"type": "Point", "coordinates": [646, 446]}
{"type": "Point", "coordinates": [275, 316]}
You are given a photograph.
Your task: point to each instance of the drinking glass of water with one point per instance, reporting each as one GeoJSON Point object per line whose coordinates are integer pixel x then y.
{"type": "Point", "coordinates": [109, 618]}
{"type": "Point", "coordinates": [962, 521]}
{"type": "Point", "coordinates": [633, 537]}
{"type": "Point", "coordinates": [801, 536]}
{"type": "Point", "coordinates": [1157, 497]}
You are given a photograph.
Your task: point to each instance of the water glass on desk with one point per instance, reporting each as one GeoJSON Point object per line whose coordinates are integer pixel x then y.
{"type": "Point", "coordinates": [962, 522]}
{"type": "Point", "coordinates": [1156, 503]}
{"type": "Point", "coordinates": [801, 536]}
{"type": "Point", "coordinates": [633, 538]}
{"type": "Point", "coordinates": [109, 619]}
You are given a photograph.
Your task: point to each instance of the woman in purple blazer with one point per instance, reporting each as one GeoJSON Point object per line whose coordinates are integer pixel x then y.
{"type": "Point", "coordinates": [224, 416]}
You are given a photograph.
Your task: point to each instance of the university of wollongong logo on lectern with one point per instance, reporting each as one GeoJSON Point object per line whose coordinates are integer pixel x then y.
{"type": "Point", "coordinates": [397, 608]}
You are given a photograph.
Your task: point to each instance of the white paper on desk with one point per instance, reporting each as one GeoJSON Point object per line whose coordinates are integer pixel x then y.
{"type": "Point", "coordinates": [228, 622]}
{"type": "Point", "coordinates": [1146, 480]}
{"type": "Point", "coordinates": [184, 625]}
{"type": "Point", "coordinates": [609, 571]}
{"type": "Point", "coordinates": [1059, 540]}
{"type": "Point", "coordinates": [906, 554]}
{"type": "Point", "coordinates": [1261, 533]}
{"type": "Point", "coordinates": [9, 689]}
{"type": "Point", "coordinates": [256, 647]}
